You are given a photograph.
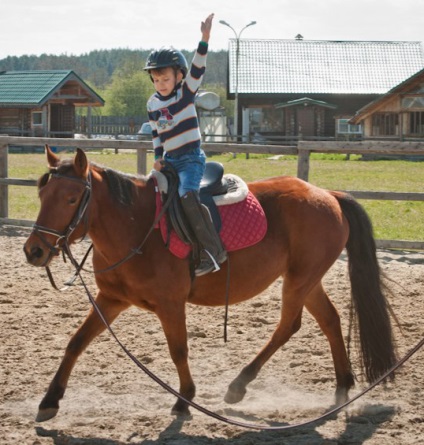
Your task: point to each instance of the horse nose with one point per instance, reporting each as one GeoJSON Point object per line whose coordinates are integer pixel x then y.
{"type": "Point", "coordinates": [33, 254]}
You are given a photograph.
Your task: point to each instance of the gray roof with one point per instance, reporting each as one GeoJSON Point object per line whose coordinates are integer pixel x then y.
{"type": "Point", "coordinates": [34, 88]}
{"type": "Point", "coordinates": [321, 66]}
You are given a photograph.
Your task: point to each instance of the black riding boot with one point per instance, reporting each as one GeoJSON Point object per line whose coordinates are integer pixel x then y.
{"type": "Point", "coordinates": [212, 253]}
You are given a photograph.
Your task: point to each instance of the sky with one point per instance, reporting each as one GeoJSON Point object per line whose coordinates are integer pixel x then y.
{"type": "Point", "coordinates": [80, 26]}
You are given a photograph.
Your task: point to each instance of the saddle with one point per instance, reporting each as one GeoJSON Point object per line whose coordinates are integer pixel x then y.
{"type": "Point", "coordinates": [236, 213]}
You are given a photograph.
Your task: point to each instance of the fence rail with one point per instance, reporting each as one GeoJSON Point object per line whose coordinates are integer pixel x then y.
{"type": "Point", "coordinates": [302, 150]}
{"type": "Point", "coordinates": [109, 124]}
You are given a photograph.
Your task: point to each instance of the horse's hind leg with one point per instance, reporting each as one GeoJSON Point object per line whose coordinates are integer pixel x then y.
{"type": "Point", "coordinates": [91, 327]}
{"type": "Point", "coordinates": [322, 309]}
{"type": "Point", "coordinates": [291, 317]}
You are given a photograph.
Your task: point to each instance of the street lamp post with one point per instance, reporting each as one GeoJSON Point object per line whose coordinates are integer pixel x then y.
{"type": "Point", "coordinates": [223, 22]}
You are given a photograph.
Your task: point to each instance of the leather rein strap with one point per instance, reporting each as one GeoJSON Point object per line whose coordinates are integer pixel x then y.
{"type": "Point", "coordinates": [62, 242]}
{"type": "Point", "coordinates": [81, 212]}
{"type": "Point", "coordinates": [226, 419]}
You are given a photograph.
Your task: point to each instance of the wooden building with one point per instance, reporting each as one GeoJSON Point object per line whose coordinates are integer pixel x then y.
{"type": "Point", "coordinates": [42, 103]}
{"type": "Point", "coordinates": [311, 88]}
{"type": "Point", "coordinates": [397, 114]}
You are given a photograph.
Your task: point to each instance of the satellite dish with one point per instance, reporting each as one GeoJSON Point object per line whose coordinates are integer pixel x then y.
{"type": "Point", "coordinates": [207, 100]}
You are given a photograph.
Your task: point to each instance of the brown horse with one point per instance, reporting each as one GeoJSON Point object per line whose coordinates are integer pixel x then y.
{"type": "Point", "coordinates": [308, 228]}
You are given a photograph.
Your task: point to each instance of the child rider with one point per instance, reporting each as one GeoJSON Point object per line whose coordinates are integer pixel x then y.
{"type": "Point", "coordinates": [177, 138]}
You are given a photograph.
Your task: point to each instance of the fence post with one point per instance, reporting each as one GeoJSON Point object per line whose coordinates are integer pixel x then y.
{"type": "Point", "coordinates": [4, 203]}
{"type": "Point", "coordinates": [89, 122]}
{"type": "Point", "coordinates": [141, 161]}
{"type": "Point", "coordinates": [303, 164]}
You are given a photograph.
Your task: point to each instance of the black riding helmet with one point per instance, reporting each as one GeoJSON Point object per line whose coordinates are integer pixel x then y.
{"type": "Point", "coordinates": [167, 57]}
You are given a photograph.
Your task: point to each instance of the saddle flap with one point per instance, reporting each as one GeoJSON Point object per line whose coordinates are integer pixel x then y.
{"type": "Point", "coordinates": [234, 206]}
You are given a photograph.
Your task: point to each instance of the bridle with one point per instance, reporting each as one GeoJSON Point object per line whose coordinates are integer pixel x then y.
{"type": "Point", "coordinates": [62, 237]}
{"type": "Point", "coordinates": [62, 245]}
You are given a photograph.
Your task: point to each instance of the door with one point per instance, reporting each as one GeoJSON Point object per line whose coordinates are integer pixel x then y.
{"type": "Point", "coordinates": [62, 120]}
{"type": "Point", "coordinates": [306, 121]}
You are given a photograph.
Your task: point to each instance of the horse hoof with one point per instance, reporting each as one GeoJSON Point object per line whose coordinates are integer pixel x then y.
{"type": "Point", "coordinates": [234, 395]}
{"type": "Point", "coordinates": [46, 414]}
{"type": "Point", "coordinates": [341, 396]}
{"type": "Point", "coordinates": [180, 410]}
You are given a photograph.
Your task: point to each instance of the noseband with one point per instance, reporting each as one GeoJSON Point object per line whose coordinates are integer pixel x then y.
{"type": "Point", "coordinates": [62, 242]}
{"type": "Point", "coordinates": [62, 238]}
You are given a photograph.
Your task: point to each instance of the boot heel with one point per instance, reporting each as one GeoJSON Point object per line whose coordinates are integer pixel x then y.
{"type": "Point", "coordinates": [215, 264]}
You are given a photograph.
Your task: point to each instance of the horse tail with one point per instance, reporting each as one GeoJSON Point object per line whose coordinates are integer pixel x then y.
{"type": "Point", "coordinates": [377, 348]}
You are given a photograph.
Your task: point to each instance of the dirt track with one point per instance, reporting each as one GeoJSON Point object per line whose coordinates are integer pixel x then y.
{"type": "Point", "coordinates": [110, 402]}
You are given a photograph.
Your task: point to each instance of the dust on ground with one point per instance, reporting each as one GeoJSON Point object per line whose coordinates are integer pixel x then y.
{"type": "Point", "coordinates": [109, 401]}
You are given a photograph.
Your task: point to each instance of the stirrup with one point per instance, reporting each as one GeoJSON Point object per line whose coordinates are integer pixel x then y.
{"type": "Point", "coordinates": [211, 266]}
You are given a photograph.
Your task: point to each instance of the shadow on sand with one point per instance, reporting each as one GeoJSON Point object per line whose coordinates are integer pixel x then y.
{"type": "Point", "coordinates": [359, 428]}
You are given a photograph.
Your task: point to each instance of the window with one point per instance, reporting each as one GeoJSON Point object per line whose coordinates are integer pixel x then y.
{"type": "Point", "coordinates": [37, 118]}
{"type": "Point", "coordinates": [416, 123]}
{"type": "Point", "coordinates": [343, 127]}
{"type": "Point", "coordinates": [413, 102]}
{"type": "Point", "coordinates": [266, 120]}
{"type": "Point", "coordinates": [385, 124]}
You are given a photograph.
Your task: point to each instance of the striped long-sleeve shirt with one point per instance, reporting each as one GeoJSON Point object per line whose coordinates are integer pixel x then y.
{"type": "Point", "coordinates": [175, 126]}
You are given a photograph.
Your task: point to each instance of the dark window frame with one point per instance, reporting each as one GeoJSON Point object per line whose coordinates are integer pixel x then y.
{"type": "Point", "coordinates": [385, 124]}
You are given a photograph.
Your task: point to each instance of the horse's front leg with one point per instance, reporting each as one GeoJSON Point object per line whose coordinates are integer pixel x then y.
{"type": "Point", "coordinates": [91, 327]}
{"type": "Point", "coordinates": [174, 326]}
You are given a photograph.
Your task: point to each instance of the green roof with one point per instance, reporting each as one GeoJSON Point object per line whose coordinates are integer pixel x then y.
{"type": "Point", "coordinates": [34, 88]}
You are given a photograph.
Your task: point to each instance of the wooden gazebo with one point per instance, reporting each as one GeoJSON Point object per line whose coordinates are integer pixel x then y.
{"type": "Point", "coordinates": [42, 103]}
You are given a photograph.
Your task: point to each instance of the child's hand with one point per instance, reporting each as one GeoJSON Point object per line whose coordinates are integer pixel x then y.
{"type": "Point", "coordinates": [158, 164]}
{"type": "Point", "coordinates": [206, 27]}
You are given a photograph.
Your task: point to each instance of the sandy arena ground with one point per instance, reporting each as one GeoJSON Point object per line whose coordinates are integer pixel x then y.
{"type": "Point", "coordinates": [109, 401]}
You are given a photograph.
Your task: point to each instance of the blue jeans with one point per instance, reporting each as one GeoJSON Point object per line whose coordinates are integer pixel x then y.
{"type": "Point", "coordinates": [190, 168]}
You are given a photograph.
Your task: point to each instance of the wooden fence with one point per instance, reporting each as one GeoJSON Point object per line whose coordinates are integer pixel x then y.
{"type": "Point", "coordinates": [109, 125]}
{"type": "Point", "coordinates": [303, 150]}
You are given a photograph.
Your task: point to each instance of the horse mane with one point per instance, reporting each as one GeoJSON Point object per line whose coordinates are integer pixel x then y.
{"type": "Point", "coordinates": [121, 185]}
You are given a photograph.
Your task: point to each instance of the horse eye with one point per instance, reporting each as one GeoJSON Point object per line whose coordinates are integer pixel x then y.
{"type": "Point", "coordinates": [72, 201]}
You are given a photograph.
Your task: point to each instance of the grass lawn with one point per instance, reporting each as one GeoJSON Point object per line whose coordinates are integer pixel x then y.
{"type": "Point", "coordinates": [391, 219]}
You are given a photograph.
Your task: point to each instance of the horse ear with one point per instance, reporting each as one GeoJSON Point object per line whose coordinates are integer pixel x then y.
{"type": "Point", "coordinates": [52, 159]}
{"type": "Point", "coordinates": [81, 163]}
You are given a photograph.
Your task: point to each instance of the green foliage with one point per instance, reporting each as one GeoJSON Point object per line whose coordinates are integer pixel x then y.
{"type": "Point", "coordinates": [99, 66]}
{"type": "Point", "coordinates": [128, 91]}
{"type": "Point", "coordinates": [117, 76]}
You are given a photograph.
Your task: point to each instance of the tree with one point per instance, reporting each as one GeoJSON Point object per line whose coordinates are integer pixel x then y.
{"type": "Point", "coordinates": [98, 66]}
{"type": "Point", "coordinates": [129, 90]}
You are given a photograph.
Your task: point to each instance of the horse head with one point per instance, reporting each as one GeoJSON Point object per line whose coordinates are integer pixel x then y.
{"type": "Point", "coordinates": [64, 193]}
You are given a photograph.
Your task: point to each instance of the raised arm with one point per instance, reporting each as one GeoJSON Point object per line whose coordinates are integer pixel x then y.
{"type": "Point", "coordinates": [206, 27]}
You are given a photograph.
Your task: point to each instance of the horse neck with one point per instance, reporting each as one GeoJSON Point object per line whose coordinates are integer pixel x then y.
{"type": "Point", "coordinates": [114, 227]}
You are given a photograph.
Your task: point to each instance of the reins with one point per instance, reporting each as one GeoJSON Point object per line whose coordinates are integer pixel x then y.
{"type": "Point", "coordinates": [82, 209]}
{"type": "Point", "coordinates": [230, 421]}
{"type": "Point", "coordinates": [80, 213]}
{"type": "Point", "coordinates": [65, 248]}
{"type": "Point", "coordinates": [213, 414]}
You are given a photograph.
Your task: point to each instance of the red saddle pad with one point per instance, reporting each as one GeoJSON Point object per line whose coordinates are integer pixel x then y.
{"type": "Point", "coordinates": [243, 224]}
